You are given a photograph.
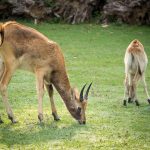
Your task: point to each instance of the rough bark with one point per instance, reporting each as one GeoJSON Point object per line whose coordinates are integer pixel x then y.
{"type": "Point", "coordinates": [74, 11]}
{"type": "Point", "coordinates": [78, 11]}
{"type": "Point", "coordinates": [129, 11]}
{"type": "Point", "coordinates": [35, 9]}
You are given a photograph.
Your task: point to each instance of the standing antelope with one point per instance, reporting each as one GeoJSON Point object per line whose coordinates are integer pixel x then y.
{"type": "Point", "coordinates": [135, 65]}
{"type": "Point", "coordinates": [22, 47]}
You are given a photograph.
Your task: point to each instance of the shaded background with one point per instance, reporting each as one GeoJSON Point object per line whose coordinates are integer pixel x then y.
{"type": "Point", "coordinates": [78, 11]}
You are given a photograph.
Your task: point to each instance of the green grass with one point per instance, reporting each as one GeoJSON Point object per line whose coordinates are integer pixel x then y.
{"type": "Point", "coordinates": [92, 53]}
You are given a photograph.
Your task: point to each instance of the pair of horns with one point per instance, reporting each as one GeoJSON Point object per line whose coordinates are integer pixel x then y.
{"type": "Point", "coordinates": [86, 94]}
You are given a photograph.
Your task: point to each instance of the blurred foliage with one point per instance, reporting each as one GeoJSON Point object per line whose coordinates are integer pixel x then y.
{"type": "Point", "coordinates": [49, 3]}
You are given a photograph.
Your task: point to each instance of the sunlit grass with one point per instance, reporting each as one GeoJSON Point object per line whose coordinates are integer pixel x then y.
{"type": "Point", "coordinates": [92, 53]}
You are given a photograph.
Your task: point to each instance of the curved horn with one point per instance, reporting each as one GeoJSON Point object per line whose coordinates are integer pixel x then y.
{"type": "Point", "coordinates": [81, 93]}
{"type": "Point", "coordinates": [1, 33]}
{"type": "Point", "coordinates": [87, 92]}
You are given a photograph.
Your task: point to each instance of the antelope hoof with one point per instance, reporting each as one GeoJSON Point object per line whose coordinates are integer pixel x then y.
{"type": "Point", "coordinates": [12, 119]}
{"type": "Point", "coordinates": [148, 101]}
{"type": "Point", "coordinates": [125, 103]}
{"type": "Point", "coordinates": [56, 117]}
{"type": "Point", "coordinates": [40, 117]}
{"type": "Point", "coordinates": [130, 100]}
{"type": "Point", "coordinates": [137, 103]}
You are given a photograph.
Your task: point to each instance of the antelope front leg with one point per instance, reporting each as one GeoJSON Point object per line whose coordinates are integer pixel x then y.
{"type": "Point", "coordinates": [135, 93]}
{"type": "Point", "coordinates": [131, 88]}
{"type": "Point", "coordinates": [50, 93]}
{"type": "Point", "coordinates": [40, 92]}
{"type": "Point", "coordinates": [135, 81]}
{"type": "Point", "coordinates": [3, 89]}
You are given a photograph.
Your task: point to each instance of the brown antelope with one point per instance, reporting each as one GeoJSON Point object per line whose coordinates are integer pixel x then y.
{"type": "Point", "coordinates": [135, 65]}
{"type": "Point", "coordinates": [22, 47]}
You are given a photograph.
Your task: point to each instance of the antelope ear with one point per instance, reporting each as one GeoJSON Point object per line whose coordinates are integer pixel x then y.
{"type": "Point", "coordinates": [75, 93]}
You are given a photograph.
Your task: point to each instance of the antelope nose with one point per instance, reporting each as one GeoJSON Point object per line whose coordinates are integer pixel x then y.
{"type": "Point", "coordinates": [84, 122]}
{"type": "Point", "coordinates": [81, 122]}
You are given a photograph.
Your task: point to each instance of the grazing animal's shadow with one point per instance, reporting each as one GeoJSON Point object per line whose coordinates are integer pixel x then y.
{"type": "Point", "coordinates": [37, 133]}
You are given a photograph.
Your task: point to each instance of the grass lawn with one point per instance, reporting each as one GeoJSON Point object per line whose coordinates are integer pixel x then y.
{"type": "Point", "coordinates": [92, 53]}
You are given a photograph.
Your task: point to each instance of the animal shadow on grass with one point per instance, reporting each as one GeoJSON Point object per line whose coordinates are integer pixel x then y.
{"type": "Point", "coordinates": [37, 133]}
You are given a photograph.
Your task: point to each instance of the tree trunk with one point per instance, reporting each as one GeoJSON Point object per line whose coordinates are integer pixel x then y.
{"type": "Point", "coordinates": [74, 11]}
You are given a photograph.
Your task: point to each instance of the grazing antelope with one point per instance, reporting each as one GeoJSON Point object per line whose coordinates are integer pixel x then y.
{"type": "Point", "coordinates": [22, 47]}
{"type": "Point", "coordinates": [135, 65]}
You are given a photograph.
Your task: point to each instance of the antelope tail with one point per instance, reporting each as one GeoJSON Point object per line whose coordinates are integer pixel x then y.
{"type": "Point", "coordinates": [138, 71]}
{"type": "Point", "coordinates": [1, 34]}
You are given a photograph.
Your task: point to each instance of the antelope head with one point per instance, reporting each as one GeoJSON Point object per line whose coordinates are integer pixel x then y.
{"type": "Point", "coordinates": [81, 103]}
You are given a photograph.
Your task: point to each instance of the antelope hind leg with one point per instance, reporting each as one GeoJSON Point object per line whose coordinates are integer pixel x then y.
{"type": "Point", "coordinates": [3, 89]}
{"type": "Point", "coordinates": [126, 91]}
{"type": "Point", "coordinates": [145, 88]}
